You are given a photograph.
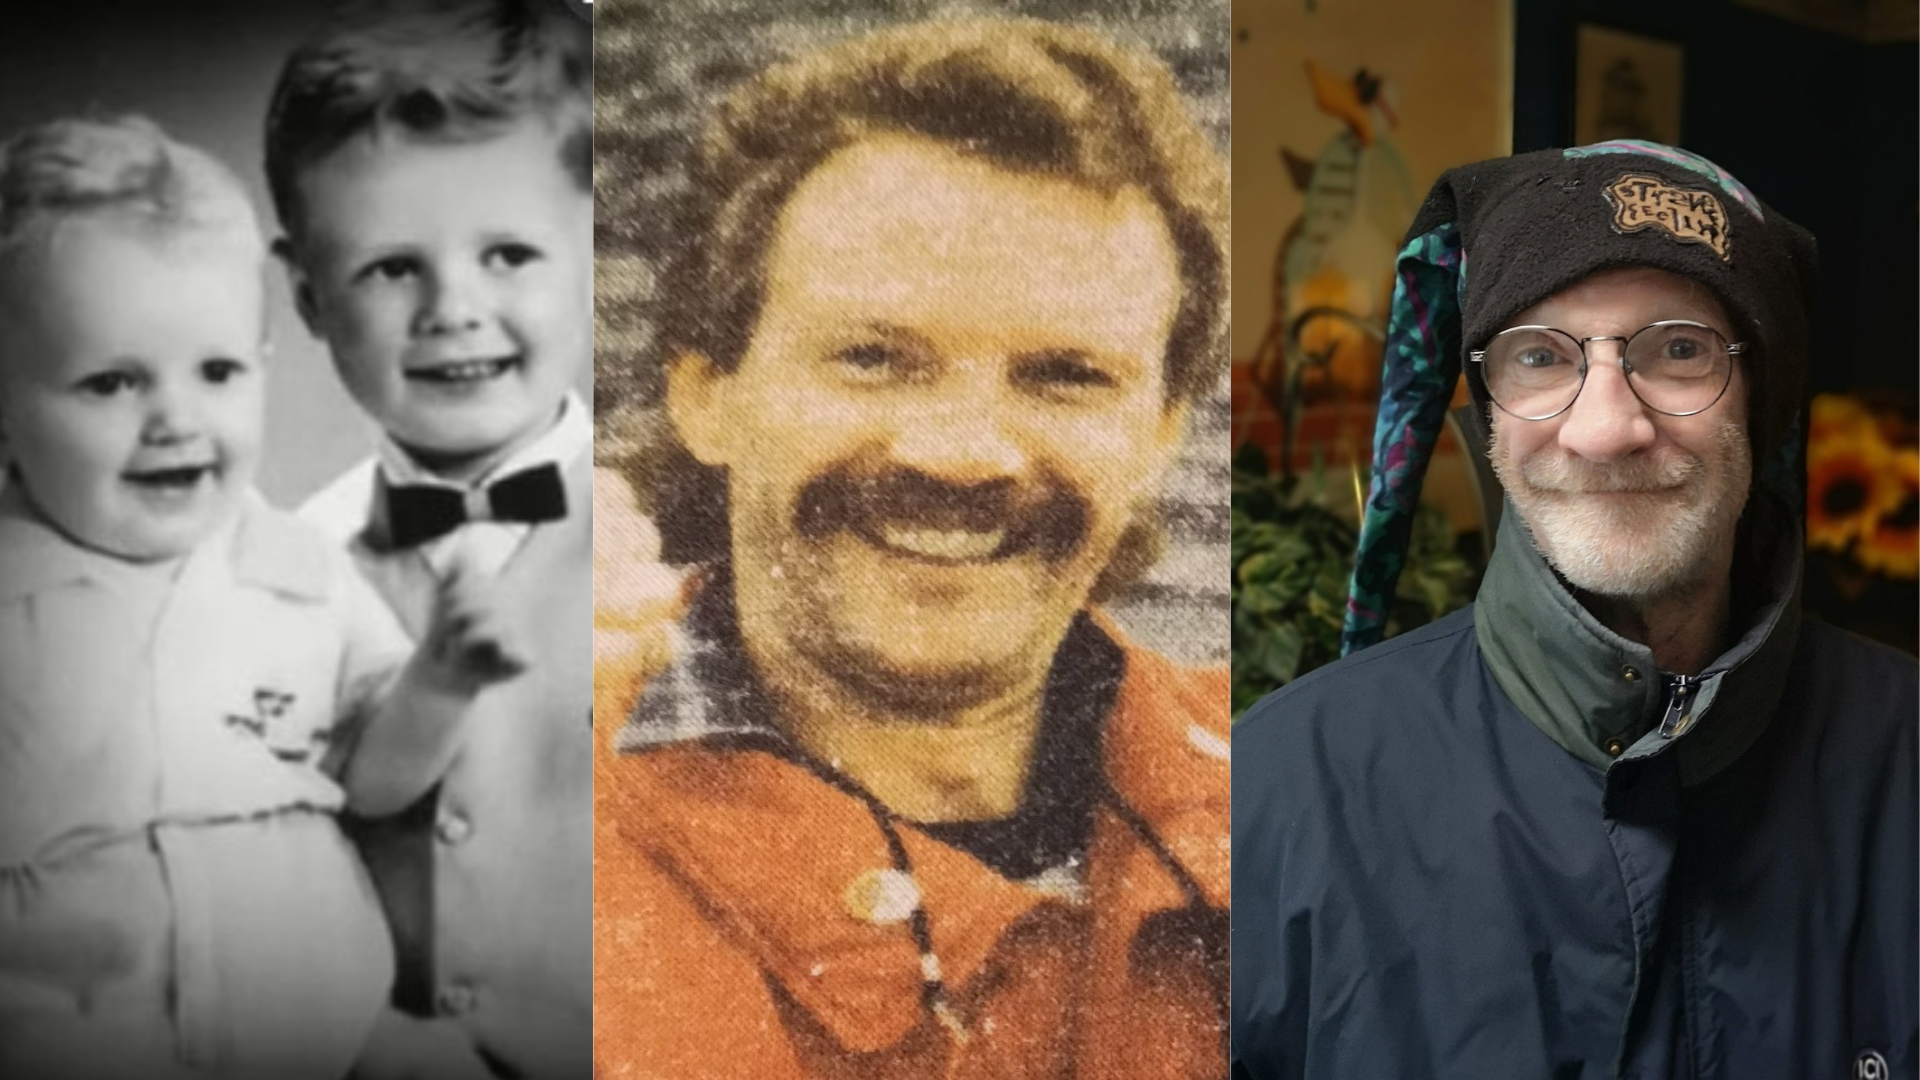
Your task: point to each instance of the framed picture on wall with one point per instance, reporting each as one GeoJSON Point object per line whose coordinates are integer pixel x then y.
{"type": "Point", "coordinates": [1626, 86]}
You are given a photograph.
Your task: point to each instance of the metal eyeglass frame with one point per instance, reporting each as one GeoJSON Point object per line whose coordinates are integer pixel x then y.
{"type": "Point", "coordinates": [1734, 349]}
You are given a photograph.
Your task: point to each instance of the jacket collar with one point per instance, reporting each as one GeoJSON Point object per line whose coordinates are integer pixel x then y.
{"type": "Point", "coordinates": [1569, 674]}
{"type": "Point", "coordinates": [710, 789]}
{"type": "Point", "coordinates": [264, 548]}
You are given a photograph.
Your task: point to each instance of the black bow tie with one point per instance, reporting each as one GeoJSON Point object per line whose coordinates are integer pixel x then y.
{"type": "Point", "coordinates": [417, 513]}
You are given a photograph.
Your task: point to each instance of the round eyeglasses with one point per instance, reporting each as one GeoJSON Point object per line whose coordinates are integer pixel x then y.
{"type": "Point", "coordinates": [1676, 368]}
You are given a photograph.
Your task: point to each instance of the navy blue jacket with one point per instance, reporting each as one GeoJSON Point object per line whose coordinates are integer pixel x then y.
{"type": "Point", "coordinates": [1428, 882]}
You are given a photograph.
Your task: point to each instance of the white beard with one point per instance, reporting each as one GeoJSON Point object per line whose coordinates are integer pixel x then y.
{"type": "Point", "coordinates": [1657, 541]}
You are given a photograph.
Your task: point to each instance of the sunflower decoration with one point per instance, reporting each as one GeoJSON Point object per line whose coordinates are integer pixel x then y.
{"type": "Point", "coordinates": [1861, 487]}
{"type": "Point", "coordinates": [1837, 415]}
{"type": "Point", "coordinates": [1846, 466]}
{"type": "Point", "coordinates": [1892, 545]}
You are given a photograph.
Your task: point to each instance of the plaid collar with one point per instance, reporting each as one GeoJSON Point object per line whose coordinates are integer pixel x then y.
{"type": "Point", "coordinates": [710, 691]}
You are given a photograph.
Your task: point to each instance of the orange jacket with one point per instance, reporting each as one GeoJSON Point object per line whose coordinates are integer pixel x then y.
{"type": "Point", "coordinates": [730, 939]}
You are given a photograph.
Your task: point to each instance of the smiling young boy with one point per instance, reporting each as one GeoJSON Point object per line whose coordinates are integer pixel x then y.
{"type": "Point", "coordinates": [192, 684]}
{"type": "Point", "coordinates": [431, 166]}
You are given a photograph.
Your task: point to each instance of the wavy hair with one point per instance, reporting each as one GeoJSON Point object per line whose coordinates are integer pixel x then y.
{"type": "Point", "coordinates": [456, 71]}
{"type": "Point", "coordinates": [1024, 95]}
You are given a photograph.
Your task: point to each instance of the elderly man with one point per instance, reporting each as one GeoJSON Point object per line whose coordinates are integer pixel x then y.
{"type": "Point", "coordinates": [906, 804]}
{"type": "Point", "coordinates": [1632, 814]}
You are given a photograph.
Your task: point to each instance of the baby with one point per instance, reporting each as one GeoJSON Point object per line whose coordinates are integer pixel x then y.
{"type": "Point", "coordinates": [192, 684]}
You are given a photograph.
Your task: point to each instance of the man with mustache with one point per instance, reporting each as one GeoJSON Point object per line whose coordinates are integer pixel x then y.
{"type": "Point", "coordinates": [1632, 814]}
{"type": "Point", "coordinates": [905, 803]}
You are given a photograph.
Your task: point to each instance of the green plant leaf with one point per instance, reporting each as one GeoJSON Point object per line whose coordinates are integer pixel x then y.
{"type": "Point", "coordinates": [1293, 560]}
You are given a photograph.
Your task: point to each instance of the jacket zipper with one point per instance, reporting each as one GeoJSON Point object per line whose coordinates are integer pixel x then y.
{"type": "Point", "coordinates": [1691, 1005]}
{"type": "Point", "coordinates": [1681, 691]}
{"type": "Point", "coordinates": [1679, 712]}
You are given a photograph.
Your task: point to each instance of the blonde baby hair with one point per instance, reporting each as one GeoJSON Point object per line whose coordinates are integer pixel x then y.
{"type": "Point", "coordinates": [125, 170]}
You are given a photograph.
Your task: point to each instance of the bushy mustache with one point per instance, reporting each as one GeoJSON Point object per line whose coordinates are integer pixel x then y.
{"type": "Point", "coordinates": [1045, 515]}
{"type": "Point", "coordinates": [1663, 469]}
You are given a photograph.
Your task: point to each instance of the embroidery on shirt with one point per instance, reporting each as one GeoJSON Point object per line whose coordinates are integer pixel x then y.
{"type": "Point", "coordinates": [272, 723]}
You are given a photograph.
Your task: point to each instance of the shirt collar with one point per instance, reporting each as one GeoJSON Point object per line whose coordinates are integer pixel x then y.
{"type": "Point", "coordinates": [35, 557]}
{"type": "Point", "coordinates": [1587, 687]}
{"type": "Point", "coordinates": [710, 690]}
{"type": "Point", "coordinates": [265, 548]}
{"type": "Point", "coordinates": [275, 550]}
{"type": "Point", "coordinates": [570, 436]}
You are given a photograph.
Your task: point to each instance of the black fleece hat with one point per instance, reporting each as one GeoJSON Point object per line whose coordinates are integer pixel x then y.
{"type": "Point", "coordinates": [1534, 224]}
{"type": "Point", "coordinates": [1497, 237]}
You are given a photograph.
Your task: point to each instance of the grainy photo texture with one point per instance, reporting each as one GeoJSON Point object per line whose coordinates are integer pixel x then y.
{"type": "Point", "coordinates": [293, 792]}
{"type": "Point", "coordinates": [910, 704]}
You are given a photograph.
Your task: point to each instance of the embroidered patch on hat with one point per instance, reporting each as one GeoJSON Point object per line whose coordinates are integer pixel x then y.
{"type": "Point", "coordinates": [1641, 201]}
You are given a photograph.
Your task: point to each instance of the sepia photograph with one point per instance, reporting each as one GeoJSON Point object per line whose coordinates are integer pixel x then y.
{"type": "Point", "coordinates": [910, 618]}
{"type": "Point", "coordinates": [295, 341]}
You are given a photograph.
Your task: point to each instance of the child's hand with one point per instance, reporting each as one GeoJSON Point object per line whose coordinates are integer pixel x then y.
{"type": "Point", "coordinates": [636, 600]}
{"type": "Point", "coordinates": [413, 732]}
{"type": "Point", "coordinates": [472, 641]}
{"type": "Point", "coordinates": [403, 1047]}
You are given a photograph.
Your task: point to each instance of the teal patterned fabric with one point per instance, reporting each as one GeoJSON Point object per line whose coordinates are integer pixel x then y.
{"type": "Point", "coordinates": [1422, 367]}
{"type": "Point", "coordinates": [1673, 155]}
